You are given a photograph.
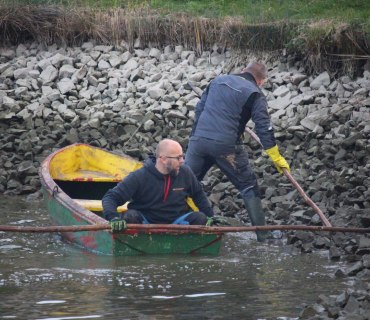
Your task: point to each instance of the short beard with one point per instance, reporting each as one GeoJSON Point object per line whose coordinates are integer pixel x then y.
{"type": "Point", "coordinates": [171, 171]}
{"type": "Point", "coordinates": [174, 172]}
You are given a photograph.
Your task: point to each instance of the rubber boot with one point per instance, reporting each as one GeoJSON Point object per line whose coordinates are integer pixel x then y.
{"type": "Point", "coordinates": [257, 216]}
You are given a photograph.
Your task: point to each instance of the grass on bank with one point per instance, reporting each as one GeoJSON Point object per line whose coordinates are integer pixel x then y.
{"type": "Point", "coordinates": [252, 11]}
{"type": "Point", "coordinates": [245, 25]}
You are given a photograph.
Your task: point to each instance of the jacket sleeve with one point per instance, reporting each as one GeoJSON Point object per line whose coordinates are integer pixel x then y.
{"type": "Point", "coordinates": [262, 121]}
{"type": "Point", "coordinates": [118, 196]}
{"type": "Point", "coordinates": [199, 108]}
{"type": "Point", "coordinates": [198, 195]}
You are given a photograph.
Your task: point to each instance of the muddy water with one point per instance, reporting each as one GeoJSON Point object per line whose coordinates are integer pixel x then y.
{"type": "Point", "coordinates": [42, 277]}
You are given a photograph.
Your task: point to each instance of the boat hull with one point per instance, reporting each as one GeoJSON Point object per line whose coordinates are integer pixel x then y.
{"type": "Point", "coordinates": [65, 211]}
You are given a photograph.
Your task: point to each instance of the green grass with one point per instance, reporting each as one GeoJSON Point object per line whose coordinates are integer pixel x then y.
{"type": "Point", "coordinates": [253, 11]}
{"type": "Point", "coordinates": [266, 11]}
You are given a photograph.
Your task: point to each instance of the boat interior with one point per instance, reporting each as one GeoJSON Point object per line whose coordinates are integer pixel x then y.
{"type": "Point", "coordinates": [85, 174]}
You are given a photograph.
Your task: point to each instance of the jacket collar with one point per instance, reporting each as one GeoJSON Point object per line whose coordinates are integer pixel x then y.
{"type": "Point", "coordinates": [247, 76]}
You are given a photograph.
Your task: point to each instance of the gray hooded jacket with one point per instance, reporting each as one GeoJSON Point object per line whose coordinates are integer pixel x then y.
{"type": "Point", "coordinates": [226, 106]}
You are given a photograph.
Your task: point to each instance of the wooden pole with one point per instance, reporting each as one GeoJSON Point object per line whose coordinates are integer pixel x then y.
{"type": "Point", "coordinates": [75, 228]}
{"type": "Point", "coordinates": [297, 186]}
{"type": "Point", "coordinates": [173, 228]}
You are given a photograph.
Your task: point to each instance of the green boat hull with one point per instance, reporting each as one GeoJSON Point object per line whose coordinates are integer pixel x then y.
{"type": "Point", "coordinates": [131, 242]}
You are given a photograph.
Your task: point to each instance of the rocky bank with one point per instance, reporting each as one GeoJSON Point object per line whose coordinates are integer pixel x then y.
{"type": "Point", "coordinates": [127, 101]}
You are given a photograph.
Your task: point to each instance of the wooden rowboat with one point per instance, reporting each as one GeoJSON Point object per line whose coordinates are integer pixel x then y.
{"type": "Point", "coordinates": [75, 178]}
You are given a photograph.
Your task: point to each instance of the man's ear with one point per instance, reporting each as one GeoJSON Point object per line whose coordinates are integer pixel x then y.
{"type": "Point", "coordinates": [260, 82]}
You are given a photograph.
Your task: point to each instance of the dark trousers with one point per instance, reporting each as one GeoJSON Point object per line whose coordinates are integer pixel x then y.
{"type": "Point", "coordinates": [232, 160]}
{"type": "Point", "coordinates": [194, 218]}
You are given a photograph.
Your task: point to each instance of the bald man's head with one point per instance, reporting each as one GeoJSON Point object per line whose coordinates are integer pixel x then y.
{"type": "Point", "coordinates": [169, 156]}
{"type": "Point", "coordinates": [166, 147]}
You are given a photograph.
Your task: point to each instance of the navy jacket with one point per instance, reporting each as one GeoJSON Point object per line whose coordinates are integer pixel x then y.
{"type": "Point", "coordinates": [160, 198]}
{"type": "Point", "coordinates": [226, 106]}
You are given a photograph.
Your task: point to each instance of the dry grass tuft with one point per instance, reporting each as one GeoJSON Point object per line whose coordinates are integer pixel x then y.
{"type": "Point", "coordinates": [48, 24]}
{"type": "Point", "coordinates": [336, 47]}
{"type": "Point", "coordinates": [52, 24]}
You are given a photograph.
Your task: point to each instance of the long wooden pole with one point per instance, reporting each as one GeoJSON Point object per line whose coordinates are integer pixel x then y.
{"type": "Point", "coordinates": [172, 228]}
{"type": "Point", "coordinates": [297, 186]}
{"type": "Point", "coordinates": [286, 172]}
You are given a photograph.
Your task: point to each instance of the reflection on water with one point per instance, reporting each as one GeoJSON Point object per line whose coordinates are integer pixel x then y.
{"type": "Point", "coordinates": [42, 277]}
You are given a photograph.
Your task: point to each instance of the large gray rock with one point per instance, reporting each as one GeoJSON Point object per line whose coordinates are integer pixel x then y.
{"type": "Point", "coordinates": [322, 79]}
{"type": "Point", "coordinates": [7, 53]}
{"type": "Point", "coordinates": [66, 71]}
{"type": "Point", "coordinates": [21, 73]}
{"type": "Point", "coordinates": [156, 93]}
{"type": "Point", "coordinates": [280, 103]}
{"type": "Point", "coordinates": [48, 75]}
{"type": "Point", "coordinates": [130, 65]}
{"type": "Point", "coordinates": [65, 85]}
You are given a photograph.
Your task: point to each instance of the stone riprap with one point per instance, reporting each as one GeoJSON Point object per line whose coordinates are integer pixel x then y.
{"type": "Point", "coordinates": [126, 102]}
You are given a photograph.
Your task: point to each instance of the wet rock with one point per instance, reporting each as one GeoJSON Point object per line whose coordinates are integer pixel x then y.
{"type": "Point", "coordinates": [366, 261]}
{"type": "Point", "coordinates": [352, 305]}
{"type": "Point", "coordinates": [308, 312]}
{"type": "Point", "coordinates": [321, 242]}
{"type": "Point", "coordinates": [364, 245]}
{"type": "Point", "coordinates": [334, 253]}
{"type": "Point", "coordinates": [354, 269]}
{"type": "Point", "coordinates": [364, 219]}
{"type": "Point", "coordinates": [13, 185]}
{"type": "Point", "coordinates": [339, 273]}
{"type": "Point", "coordinates": [27, 168]}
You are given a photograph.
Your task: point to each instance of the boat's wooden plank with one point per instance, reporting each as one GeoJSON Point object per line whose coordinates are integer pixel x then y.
{"type": "Point", "coordinates": [96, 205]}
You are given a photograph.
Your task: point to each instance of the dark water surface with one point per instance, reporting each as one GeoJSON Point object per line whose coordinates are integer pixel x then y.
{"type": "Point", "coordinates": [41, 277]}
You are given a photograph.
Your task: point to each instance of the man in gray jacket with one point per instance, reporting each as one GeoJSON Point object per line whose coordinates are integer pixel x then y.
{"type": "Point", "coordinates": [221, 115]}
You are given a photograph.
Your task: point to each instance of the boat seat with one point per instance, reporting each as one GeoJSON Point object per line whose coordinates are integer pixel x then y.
{"type": "Point", "coordinates": [96, 205]}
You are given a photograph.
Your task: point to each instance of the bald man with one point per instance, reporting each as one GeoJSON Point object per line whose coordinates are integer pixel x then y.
{"type": "Point", "coordinates": [221, 115]}
{"type": "Point", "coordinates": [158, 191]}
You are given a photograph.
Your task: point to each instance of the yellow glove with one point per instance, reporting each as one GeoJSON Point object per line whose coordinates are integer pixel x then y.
{"type": "Point", "coordinates": [277, 159]}
{"type": "Point", "coordinates": [191, 204]}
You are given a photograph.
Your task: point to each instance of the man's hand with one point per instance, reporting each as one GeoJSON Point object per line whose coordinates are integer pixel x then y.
{"type": "Point", "coordinates": [277, 159]}
{"type": "Point", "coordinates": [117, 225]}
{"type": "Point", "coordinates": [217, 221]}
